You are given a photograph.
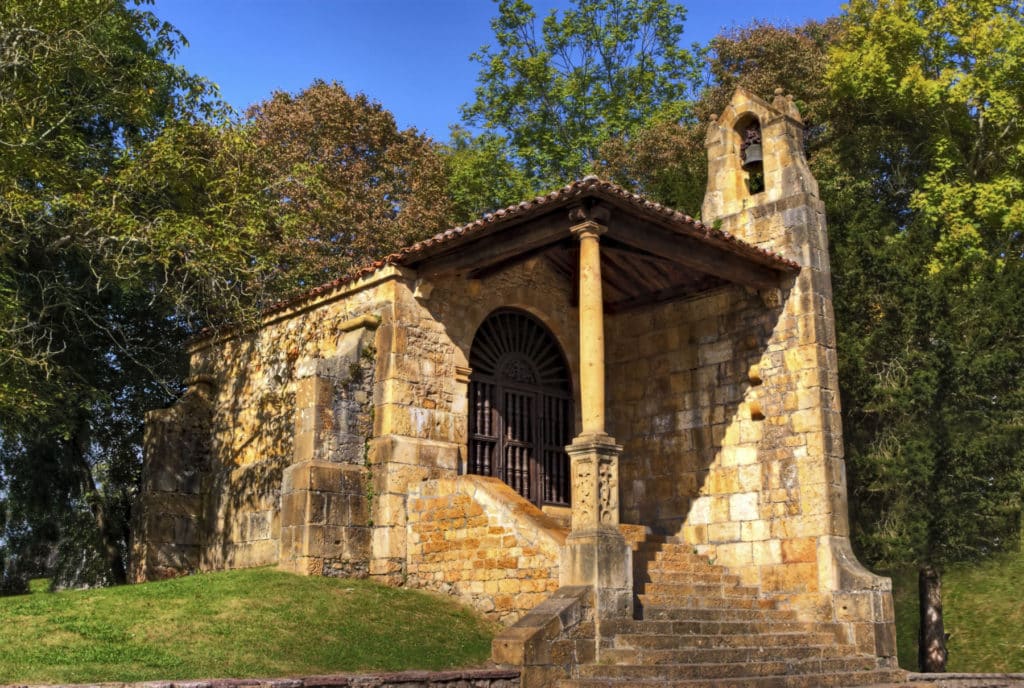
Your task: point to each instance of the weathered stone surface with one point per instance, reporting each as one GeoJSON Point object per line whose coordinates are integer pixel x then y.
{"type": "Point", "coordinates": [458, 678]}
{"type": "Point", "coordinates": [476, 538]}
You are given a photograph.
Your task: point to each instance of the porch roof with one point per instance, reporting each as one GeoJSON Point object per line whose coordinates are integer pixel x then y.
{"type": "Point", "coordinates": [650, 253]}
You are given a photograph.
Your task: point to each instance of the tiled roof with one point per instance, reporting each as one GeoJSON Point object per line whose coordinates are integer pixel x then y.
{"type": "Point", "coordinates": [587, 187]}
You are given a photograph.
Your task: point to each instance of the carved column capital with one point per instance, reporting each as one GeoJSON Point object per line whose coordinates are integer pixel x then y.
{"type": "Point", "coordinates": [588, 229]}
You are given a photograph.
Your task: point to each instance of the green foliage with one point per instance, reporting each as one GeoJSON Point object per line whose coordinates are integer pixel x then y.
{"type": "Point", "coordinates": [87, 333]}
{"type": "Point", "coordinates": [481, 175]}
{"type": "Point", "coordinates": [666, 158]}
{"type": "Point", "coordinates": [601, 70]}
{"type": "Point", "coordinates": [133, 213]}
{"type": "Point", "coordinates": [255, 622]}
{"type": "Point", "coordinates": [198, 218]}
{"type": "Point", "coordinates": [928, 282]}
{"type": "Point", "coordinates": [919, 166]}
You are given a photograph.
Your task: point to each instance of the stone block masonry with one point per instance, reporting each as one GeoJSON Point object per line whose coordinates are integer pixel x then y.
{"type": "Point", "coordinates": [476, 538]}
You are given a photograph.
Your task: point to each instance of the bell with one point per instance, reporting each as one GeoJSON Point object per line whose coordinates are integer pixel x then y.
{"type": "Point", "coordinates": [752, 158]}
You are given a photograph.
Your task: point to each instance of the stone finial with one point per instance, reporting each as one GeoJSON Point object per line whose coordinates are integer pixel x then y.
{"type": "Point", "coordinates": [785, 104]}
{"type": "Point", "coordinates": [779, 101]}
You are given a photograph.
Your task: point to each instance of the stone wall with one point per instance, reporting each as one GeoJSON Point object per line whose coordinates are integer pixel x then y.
{"type": "Point", "coordinates": [297, 394]}
{"type": "Point", "coordinates": [319, 423]}
{"type": "Point", "coordinates": [453, 678]}
{"type": "Point", "coordinates": [677, 385]}
{"type": "Point", "coordinates": [300, 390]}
{"type": "Point", "coordinates": [806, 556]}
{"type": "Point", "coordinates": [476, 538]}
{"type": "Point", "coordinates": [166, 525]}
{"type": "Point", "coordinates": [424, 341]}
{"type": "Point", "coordinates": [721, 434]}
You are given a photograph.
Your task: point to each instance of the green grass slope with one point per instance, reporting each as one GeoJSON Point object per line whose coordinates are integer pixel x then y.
{"type": "Point", "coordinates": [983, 613]}
{"type": "Point", "coordinates": [255, 622]}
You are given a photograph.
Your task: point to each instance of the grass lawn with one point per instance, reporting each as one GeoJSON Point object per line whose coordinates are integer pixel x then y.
{"type": "Point", "coordinates": [254, 622]}
{"type": "Point", "coordinates": [983, 613]}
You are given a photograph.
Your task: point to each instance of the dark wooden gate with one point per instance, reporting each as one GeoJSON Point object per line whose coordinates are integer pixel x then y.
{"type": "Point", "coordinates": [520, 407]}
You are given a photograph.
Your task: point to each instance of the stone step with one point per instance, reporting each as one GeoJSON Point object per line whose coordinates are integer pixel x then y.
{"type": "Point", "coordinates": [670, 576]}
{"type": "Point", "coordinates": [665, 558]}
{"type": "Point", "coordinates": [670, 550]}
{"type": "Point", "coordinates": [718, 670]}
{"type": "Point", "coordinates": [717, 626]}
{"type": "Point", "coordinates": [851, 679]}
{"type": "Point", "coordinates": [734, 608]}
{"type": "Point", "coordinates": [651, 641]}
{"type": "Point", "coordinates": [725, 655]}
{"type": "Point", "coordinates": [700, 589]}
{"type": "Point", "coordinates": [700, 627]}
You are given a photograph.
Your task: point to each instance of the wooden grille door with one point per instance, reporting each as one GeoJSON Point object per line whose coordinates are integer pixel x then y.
{"type": "Point", "coordinates": [520, 410]}
{"type": "Point", "coordinates": [520, 454]}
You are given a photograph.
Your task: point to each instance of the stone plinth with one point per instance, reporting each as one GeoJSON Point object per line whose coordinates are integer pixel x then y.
{"type": "Point", "coordinates": [595, 552]}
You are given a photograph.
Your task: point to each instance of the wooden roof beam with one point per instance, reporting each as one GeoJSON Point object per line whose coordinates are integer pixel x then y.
{"type": "Point", "coordinates": [692, 253]}
{"type": "Point", "coordinates": [500, 247]}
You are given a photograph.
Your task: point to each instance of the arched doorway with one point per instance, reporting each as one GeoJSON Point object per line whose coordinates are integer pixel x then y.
{"type": "Point", "coordinates": [520, 407]}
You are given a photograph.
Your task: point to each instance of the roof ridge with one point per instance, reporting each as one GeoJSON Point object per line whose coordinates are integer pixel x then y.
{"type": "Point", "coordinates": [575, 188]}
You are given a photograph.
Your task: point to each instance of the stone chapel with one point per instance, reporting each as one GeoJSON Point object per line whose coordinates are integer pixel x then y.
{"type": "Point", "coordinates": [584, 415]}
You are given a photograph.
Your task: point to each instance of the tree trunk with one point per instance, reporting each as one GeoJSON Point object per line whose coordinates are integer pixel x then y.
{"type": "Point", "coordinates": [111, 546]}
{"type": "Point", "coordinates": [931, 645]}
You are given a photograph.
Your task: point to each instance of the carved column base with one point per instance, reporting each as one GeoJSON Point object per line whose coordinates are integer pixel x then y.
{"type": "Point", "coordinates": [594, 465]}
{"type": "Point", "coordinates": [595, 553]}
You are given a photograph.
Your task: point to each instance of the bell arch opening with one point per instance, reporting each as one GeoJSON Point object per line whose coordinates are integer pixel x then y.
{"type": "Point", "coordinates": [520, 407]}
{"type": "Point", "coordinates": [748, 128]}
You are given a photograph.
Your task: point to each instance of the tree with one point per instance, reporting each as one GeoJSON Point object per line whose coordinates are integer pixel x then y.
{"type": "Point", "coordinates": [601, 70]}
{"type": "Point", "coordinates": [133, 213]}
{"type": "Point", "coordinates": [936, 396]}
{"type": "Point", "coordinates": [666, 158]}
{"type": "Point", "coordinates": [349, 186]}
{"type": "Point", "coordinates": [481, 177]}
{"type": "Point", "coordinates": [87, 333]}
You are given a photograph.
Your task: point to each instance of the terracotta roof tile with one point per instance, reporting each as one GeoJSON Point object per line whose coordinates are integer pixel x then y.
{"type": "Point", "coordinates": [587, 186]}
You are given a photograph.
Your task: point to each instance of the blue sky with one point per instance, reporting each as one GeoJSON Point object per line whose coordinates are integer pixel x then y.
{"type": "Point", "coordinates": [410, 55]}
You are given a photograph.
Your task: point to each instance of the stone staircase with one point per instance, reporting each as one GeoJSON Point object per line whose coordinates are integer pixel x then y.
{"type": "Point", "coordinates": [697, 626]}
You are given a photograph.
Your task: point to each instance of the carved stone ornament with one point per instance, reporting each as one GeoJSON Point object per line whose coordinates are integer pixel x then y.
{"type": "Point", "coordinates": [608, 484]}
{"type": "Point", "coordinates": [584, 499]}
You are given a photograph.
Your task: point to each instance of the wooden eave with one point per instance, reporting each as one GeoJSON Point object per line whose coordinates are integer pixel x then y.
{"type": "Point", "coordinates": [648, 254]}
{"type": "Point", "coordinates": [667, 253]}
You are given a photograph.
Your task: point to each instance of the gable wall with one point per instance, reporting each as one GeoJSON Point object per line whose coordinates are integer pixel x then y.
{"type": "Point", "coordinates": [263, 400]}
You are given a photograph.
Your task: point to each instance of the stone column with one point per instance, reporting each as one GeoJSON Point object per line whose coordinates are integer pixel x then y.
{"type": "Point", "coordinates": [591, 306]}
{"type": "Point", "coordinates": [595, 552]}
